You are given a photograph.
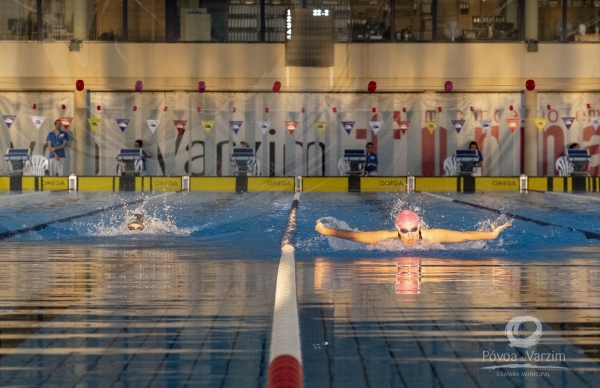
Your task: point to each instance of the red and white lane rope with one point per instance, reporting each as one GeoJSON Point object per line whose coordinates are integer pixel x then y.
{"type": "Point", "coordinates": [285, 360]}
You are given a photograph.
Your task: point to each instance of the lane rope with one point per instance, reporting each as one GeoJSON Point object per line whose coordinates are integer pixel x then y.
{"type": "Point", "coordinates": [588, 234]}
{"type": "Point", "coordinates": [285, 356]}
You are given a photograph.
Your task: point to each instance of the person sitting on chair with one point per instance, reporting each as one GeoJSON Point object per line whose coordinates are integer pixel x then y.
{"type": "Point", "coordinates": [578, 166]}
{"type": "Point", "coordinates": [469, 167]}
{"type": "Point", "coordinates": [145, 154]}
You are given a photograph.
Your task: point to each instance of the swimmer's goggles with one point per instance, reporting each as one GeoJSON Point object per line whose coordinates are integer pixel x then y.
{"type": "Point", "coordinates": [405, 231]}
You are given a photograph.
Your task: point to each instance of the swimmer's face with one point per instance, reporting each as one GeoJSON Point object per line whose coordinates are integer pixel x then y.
{"type": "Point", "coordinates": [409, 233]}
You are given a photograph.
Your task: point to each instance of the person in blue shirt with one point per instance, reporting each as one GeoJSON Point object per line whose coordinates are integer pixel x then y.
{"type": "Point", "coordinates": [145, 154]}
{"type": "Point", "coordinates": [473, 146]}
{"type": "Point", "coordinates": [371, 161]}
{"type": "Point", "coordinates": [469, 167]}
{"type": "Point", "coordinates": [57, 141]}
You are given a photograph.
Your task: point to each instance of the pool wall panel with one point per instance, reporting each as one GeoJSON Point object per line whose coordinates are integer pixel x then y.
{"type": "Point", "coordinates": [368, 184]}
{"type": "Point", "coordinates": [436, 183]}
{"type": "Point", "coordinates": [325, 184]}
{"type": "Point", "coordinates": [496, 184]}
{"type": "Point", "coordinates": [96, 183]}
{"type": "Point", "coordinates": [226, 184]}
{"type": "Point", "coordinates": [270, 184]}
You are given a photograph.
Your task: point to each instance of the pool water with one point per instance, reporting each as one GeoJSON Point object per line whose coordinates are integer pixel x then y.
{"type": "Point", "coordinates": [189, 300]}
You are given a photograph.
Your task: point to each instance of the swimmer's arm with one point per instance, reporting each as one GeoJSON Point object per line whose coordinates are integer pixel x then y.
{"type": "Point", "coordinates": [362, 237]}
{"type": "Point", "coordinates": [445, 235]}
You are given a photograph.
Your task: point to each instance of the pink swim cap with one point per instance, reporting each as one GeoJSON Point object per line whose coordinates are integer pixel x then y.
{"type": "Point", "coordinates": [408, 218]}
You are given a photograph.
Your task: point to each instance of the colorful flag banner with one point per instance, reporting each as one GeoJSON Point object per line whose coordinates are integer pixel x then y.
{"type": "Point", "coordinates": [403, 125]}
{"type": "Point", "coordinates": [94, 123]}
{"type": "Point", "coordinates": [66, 121]}
{"type": "Point", "coordinates": [123, 123]}
{"type": "Point", "coordinates": [348, 125]}
{"type": "Point", "coordinates": [291, 126]}
{"type": "Point", "coordinates": [152, 125]}
{"type": "Point", "coordinates": [375, 126]}
{"type": "Point", "coordinates": [264, 126]}
{"type": "Point", "coordinates": [568, 121]}
{"type": "Point", "coordinates": [431, 125]}
{"type": "Point", "coordinates": [180, 125]}
{"type": "Point", "coordinates": [38, 121]}
{"type": "Point", "coordinates": [513, 123]}
{"type": "Point", "coordinates": [236, 125]}
{"type": "Point", "coordinates": [9, 120]}
{"type": "Point", "coordinates": [458, 125]}
{"type": "Point", "coordinates": [485, 125]}
{"type": "Point", "coordinates": [540, 123]}
{"type": "Point", "coordinates": [321, 125]}
{"type": "Point", "coordinates": [595, 121]}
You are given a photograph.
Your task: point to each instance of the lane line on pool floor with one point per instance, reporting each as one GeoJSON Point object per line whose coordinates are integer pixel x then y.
{"type": "Point", "coordinates": [285, 355]}
{"type": "Point", "coordinates": [572, 195]}
{"type": "Point", "coordinates": [588, 234]}
{"type": "Point", "coordinates": [11, 233]}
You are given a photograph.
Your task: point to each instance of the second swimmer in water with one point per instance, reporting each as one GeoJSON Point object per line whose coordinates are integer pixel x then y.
{"type": "Point", "coordinates": [409, 231]}
{"type": "Point", "coordinates": [137, 223]}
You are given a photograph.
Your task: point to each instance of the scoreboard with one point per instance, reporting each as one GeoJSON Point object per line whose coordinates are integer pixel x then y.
{"type": "Point", "coordinates": [309, 37]}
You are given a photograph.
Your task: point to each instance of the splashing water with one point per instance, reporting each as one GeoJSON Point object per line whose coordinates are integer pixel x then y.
{"type": "Point", "coordinates": [395, 244]}
{"type": "Point", "coordinates": [116, 224]}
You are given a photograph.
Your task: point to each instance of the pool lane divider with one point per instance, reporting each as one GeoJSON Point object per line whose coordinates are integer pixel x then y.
{"type": "Point", "coordinates": [285, 357]}
{"type": "Point", "coordinates": [588, 234]}
{"type": "Point", "coordinates": [11, 233]}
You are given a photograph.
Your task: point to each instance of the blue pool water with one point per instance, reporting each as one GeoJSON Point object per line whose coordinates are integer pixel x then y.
{"type": "Point", "coordinates": [189, 301]}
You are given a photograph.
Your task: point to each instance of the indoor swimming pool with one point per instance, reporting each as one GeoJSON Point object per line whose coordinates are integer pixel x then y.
{"type": "Point", "coordinates": [189, 301]}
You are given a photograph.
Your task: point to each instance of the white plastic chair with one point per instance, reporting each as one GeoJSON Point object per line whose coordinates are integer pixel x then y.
{"type": "Point", "coordinates": [343, 167]}
{"type": "Point", "coordinates": [39, 165]}
{"type": "Point", "coordinates": [563, 166]}
{"type": "Point", "coordinates": [255, 167]}
{"type": "Point", "coordinates": [450, 166]}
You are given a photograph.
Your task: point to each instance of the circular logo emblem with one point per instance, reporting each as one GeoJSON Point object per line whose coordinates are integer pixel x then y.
{"type": "Point", "coordinates": [513, 332]}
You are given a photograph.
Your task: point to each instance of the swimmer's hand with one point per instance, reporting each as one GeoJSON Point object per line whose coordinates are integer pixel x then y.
{"type": "Point", "coordinates": [320, 228]}
{"type": "Point", "coordinates": [497, 229]}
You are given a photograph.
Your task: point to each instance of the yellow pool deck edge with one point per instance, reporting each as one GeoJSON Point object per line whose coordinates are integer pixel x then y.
{"type": "Point", "coordinates": [309, 184]}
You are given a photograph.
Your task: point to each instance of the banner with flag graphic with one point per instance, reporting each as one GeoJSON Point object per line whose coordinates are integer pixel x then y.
{"type": "Point", "coordinates": [152, 125]}
{"type": "Point", "coordinates": [431, 125]}
{"type": "Point", "coordinates": [540, 123]}
{"type": "Point", "coordinates": [485, 125]}
{"type": "Point", "coordinates": [320, 125]}
{"type": "Point", "coordinates": [404, 125]}
{"type": "Point", "coordinates": [458, 125]}
{"type": "Point", "coordinates": [264, 126]}
{"type": "Point", "coordinates": [513, 123]}
{"type": "Point", "coordinates": [595, 120]}
{"type": "Point", "coordinates": [375, 126]}
{"type": "Point", "coordinates": [66, 121]}
{"type": "Point", "coordinates": [38, 121]}
{"type": "Point", "coordinates": [180, 125]}
{"type": "Point", "coordinates": [236, 125]}
{"type": "Point", "coordinates": [568, 121]}
{"type": "Point", "coordinates": [94, 123]}
{"type": "Point", "coordinates": [9, 120]}
{"type": "Point", "coordinates": [291, 126]}
{"type": "Point", "coordinates": [348, 125]}
{"type": "Point", "coordinates": [123, 123]}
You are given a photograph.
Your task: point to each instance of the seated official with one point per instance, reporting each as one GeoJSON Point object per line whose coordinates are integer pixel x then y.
{"type": "Point", "coordinates": [145, 154]}
{"type": "Point", "coordinates": [471, 166]}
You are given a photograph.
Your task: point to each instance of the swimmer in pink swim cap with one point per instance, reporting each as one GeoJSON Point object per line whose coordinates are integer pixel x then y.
{"type": "Point", "coordinates": [409, 231]}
